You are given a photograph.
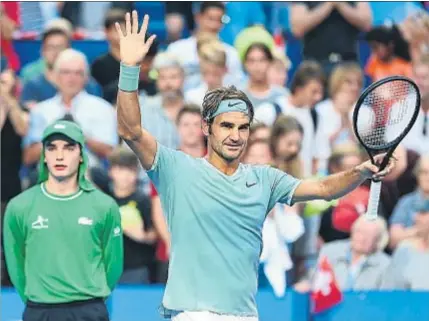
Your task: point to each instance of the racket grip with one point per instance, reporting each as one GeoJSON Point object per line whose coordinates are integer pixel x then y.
{"type": "Point", "coordinates": [374, 200]}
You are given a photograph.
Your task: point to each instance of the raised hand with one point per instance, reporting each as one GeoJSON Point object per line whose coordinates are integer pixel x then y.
{"type": "Point", "coordinates": [133, 47]}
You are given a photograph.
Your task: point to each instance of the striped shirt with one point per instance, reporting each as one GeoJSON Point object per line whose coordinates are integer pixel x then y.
{"type": "Point", "coordinates": [156, 122]}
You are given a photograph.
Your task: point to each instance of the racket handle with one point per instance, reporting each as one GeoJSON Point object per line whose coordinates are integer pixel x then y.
{"type": "Point", "coordinates": [374, 200]}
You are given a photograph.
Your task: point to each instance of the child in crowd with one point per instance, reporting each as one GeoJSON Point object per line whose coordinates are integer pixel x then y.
{"type": "Point", "coordinates": [136, 216]}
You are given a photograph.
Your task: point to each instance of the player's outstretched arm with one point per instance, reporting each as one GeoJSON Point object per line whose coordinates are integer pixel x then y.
{"type": "Point", "coordinates": [133, 49]}
{"type": "Point", "coordinates": [337, 185]}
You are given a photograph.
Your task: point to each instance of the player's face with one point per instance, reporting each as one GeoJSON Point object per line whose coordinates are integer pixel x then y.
{"type": "Point", "coordinates": [71, 77]}
{"type": "Point", "coordinates": [229, 135]}
{"type": "Point", "coordinates": [289, 145]}
{"type": "Point", "coordinates": [212, 75]}
{"type": "Point", "coordinates": [52, 47]}
{"type": "Point", "coordinates": [62, 159]}
{"type": "Point", "coordinates": [421, 76]}
{"type": "Point", "coordinates": [423, 175]}
{"type": "Point", "coordinates": [170, 82]}
{"type": "Point", "coordinates": [189, 128]}
{"type": "Point", "coordinates": [211, 20]}
{"type": "Point", "coordinates": [257, 64]}
{"type": "Point", "coordinates": [123, 177]}
{"type": "Point", "coordinates": [258, 154]}
{"type": "Point", "coordinates": [364, 237]}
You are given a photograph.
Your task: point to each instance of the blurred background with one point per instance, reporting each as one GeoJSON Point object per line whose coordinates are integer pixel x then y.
{"type": "Point", "coordinates": [303, 65]}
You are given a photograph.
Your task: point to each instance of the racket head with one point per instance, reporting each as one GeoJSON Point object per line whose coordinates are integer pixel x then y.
{"type": "Point", "coordinates": [392, 91]}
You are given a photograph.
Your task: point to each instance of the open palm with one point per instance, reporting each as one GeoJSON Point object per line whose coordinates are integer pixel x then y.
{"type": "Point", "coordinates": [133, 47]}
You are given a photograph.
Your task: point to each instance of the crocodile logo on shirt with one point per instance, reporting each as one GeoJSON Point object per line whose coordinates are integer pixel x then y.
{"type": "Point", "coordinates": [40, 223]}
{"type": "Point", "coordinates": [84, 221]}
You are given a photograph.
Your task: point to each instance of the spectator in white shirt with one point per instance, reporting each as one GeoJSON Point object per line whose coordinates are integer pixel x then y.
{"type": "Point", "coordinates": [213, 70]}
{"type": "Point", "coordinates": [336, 113]}
{"type": "Point", "coordinates": [306, 90]}
{"type": "Point", "coordinates": [159, 112]}
{"type": "Point", "coordinates": [286, 143]}
{"type": "Point", "coordinates": [279, 68]}
{"type": "Point", "coordinates": [418, 137]}
{"type": "Point", "coordinates": [209, 20]}
{"type": "Point", "coordinates": [96, 117]}
{"type": "Point", "coordinates": [282, 226]}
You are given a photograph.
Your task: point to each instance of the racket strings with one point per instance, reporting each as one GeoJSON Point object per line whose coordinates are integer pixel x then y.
{"type": "Point", "coordinates": [389, 111]}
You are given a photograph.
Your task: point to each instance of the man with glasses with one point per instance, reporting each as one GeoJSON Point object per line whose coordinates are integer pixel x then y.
{"type": "Point", "coordinates": [72, 102]}
{"type": "Point", "coordinates": [42, 86]}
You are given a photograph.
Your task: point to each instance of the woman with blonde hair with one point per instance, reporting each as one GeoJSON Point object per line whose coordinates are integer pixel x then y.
{"type": "Point", "coordinates": [286, 141]}
{"type": "Point", "coordinates": [213, 68]}
{"type": "Point", "coordinates": [345, 85]}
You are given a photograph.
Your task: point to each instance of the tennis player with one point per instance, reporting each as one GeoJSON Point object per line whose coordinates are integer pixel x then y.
{"type": "Point", "coordinates": [63, 237]}
{"type": "Point", "coordinates": [215, 206]}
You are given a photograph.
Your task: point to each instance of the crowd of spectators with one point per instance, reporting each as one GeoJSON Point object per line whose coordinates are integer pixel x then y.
{"type": "Point", "coordinates": [303, 125]}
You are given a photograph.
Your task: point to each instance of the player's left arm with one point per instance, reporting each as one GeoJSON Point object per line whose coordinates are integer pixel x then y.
{"type": "Point", "coordinates": [113, 250]}
{"type": "Point", "coordinates": [337, 185]}
{"type": "Point", "coordinates": [360, 16]}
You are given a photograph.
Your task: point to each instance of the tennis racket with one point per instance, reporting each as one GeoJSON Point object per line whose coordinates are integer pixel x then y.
{"type": "Point", "coordinates": [384, 114]}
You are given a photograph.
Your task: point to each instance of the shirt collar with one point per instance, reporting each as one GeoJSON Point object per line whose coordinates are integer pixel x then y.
{"type": "Point", "coordinates": [75, 101]}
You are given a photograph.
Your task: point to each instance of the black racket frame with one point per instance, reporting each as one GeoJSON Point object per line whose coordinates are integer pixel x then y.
{"type": "Point", "coordinates": [388, 148]}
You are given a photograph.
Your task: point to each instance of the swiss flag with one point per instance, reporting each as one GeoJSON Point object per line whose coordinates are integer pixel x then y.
{"type": "Point", "coordinates": [325, 292]}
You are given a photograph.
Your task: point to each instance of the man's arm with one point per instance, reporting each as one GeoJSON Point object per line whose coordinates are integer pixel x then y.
{"type": "Point", "coordinates": [32, 142]}
{"type": "Point", "coordinates": [113, 251]}
{"type": "Point", "coordinates": [337, 185]}
{"type": "Point", "coordinates": [359, 16]}
{"type": "Point", "coordinates": [14, 250]}
{"type": "Point", "coordinates": [303, 20]}
{"type": "Point", "coordinates": [133, 49]}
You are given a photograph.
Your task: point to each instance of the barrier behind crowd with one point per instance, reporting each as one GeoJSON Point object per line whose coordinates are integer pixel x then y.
{"type": "Point", "coordinates": [29, 50]}
{"type": "Point", "coordinates": [141, 304]}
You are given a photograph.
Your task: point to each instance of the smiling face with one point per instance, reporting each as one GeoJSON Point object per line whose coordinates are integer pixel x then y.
{"type": "Point", "coordinates": [62, 159]}
{"type": "Point", "coordinates": [228, 135]}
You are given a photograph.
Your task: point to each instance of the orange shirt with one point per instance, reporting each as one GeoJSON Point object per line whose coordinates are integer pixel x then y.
{"type": "Point", "coordinates": [377, 69]}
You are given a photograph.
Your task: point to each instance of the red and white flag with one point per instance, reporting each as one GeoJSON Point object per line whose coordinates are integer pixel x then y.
{"type": "Point", "coordinates": [325, 292]}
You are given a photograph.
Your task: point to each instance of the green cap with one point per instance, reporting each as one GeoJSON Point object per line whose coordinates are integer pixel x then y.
{"type": "Point", "coordinates": [72, 131]}
{"type": "Point", "coordinates": [250, 36]}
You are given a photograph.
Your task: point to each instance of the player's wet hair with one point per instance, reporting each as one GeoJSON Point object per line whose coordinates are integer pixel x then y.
{"type": "Point", "coordinates": [214, 97]}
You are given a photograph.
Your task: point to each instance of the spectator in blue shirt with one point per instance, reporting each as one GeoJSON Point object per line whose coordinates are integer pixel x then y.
{"type": "Point", "coordinates": [43, 87]}
{"type": "Point", "coordinates": [240, 15]}
{"type": "Point", "coordinates": [402, 221]}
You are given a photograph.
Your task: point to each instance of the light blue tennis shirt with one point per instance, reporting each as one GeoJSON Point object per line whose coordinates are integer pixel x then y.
{"type": "Point", "coordinates": [215, 222]}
